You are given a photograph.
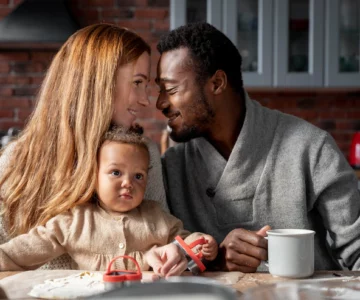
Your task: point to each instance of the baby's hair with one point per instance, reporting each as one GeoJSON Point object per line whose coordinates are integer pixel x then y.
{"type": "Point", "coordinates": [131, 136]}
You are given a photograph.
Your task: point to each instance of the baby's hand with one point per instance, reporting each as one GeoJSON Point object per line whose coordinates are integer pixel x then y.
{"type": "Point", "coordinates": [210, 249]}
{"type": "Point", "coordinates": [167, 260]}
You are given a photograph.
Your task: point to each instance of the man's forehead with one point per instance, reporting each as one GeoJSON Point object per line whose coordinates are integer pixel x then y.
{"type": "Point", "coordinates": [173, 63]}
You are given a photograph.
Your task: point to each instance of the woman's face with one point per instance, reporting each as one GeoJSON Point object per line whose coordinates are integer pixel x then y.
{"type": "Point", "coordinates": [131, 93]}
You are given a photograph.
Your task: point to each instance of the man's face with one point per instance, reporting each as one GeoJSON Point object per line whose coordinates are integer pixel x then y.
{"type": "Point", "coordinates": [182, 98]}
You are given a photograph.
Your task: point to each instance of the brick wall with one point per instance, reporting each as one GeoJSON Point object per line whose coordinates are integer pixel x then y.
{"type": "Point", "coordinates": [21, 72]}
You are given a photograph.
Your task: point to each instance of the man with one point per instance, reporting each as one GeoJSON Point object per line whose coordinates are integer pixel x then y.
{"type": "Point", "coordinates": [240, 166]}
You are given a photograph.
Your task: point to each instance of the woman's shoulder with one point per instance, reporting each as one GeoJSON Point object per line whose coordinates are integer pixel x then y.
{"type": "Point", "coordinates": [153, 147]}
{"type": "Point", "coordinates": [155, 189]}
{"type": "Point", "coordinates": [6, 155]}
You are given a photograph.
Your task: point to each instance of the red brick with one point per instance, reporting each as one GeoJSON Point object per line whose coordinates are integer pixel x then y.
{"type": "Point", "coordinates": [342, 136]}
{"type": "Point", "coordinates": [128, 3]}
{"type": "Point", "coordinates": [147, 36]}
{"type": "Point", "coordinates": [42, 56]}
{"type": "Point", "coordinates": [344, 125]}
{"type": "Point", "coordinates": [159, 3]}
{"type": "Point", "coordinates": [88, 14]}
{"type": "Point", "coordinates": [326, 124]}
{"type": "Point", "coordinates": [282, 103]}
{"type": "Point", "coordinates": [152, 13]}
{"type": "Point", "coordinates": [6, 91]}
{"type": "Point", "coordinates": [14, 56]}
{"type": "Point", "coordinates": [28, 67]}
{"type": "Point", "coordinates": [4, 11]}
{"type": "Point", "coordinates": [135, 24]}
{"type": "Point", "coordinates": [14, 80]}
{"type": "Point", "coordinates": [354, 114]}
{"type": "Point", "coordinates": [4, 2]}
{"type": "Point", "coordinates": [117, 13]}
{"type": "Point", "coordinates": [161, 26]}
{"type": "Point", "coordinates": [6, 124]}
{"type": "Point", "coordinates": [9, 114]}
{"type": "Point", "coordinates": [100, 3]}
{"type": "Point", "coordinates": [344, 147]}
{"type": "Point", "coordinates": [343, 102]}
{"type": "Point", "coordinates": [4, 67]}
{"type": "Point", "coordinates": [25, 91]}
{"type": "Point", "coordinates": [15, 102]}
{"type": "Point", "coordinates": [37, 80]}
{"type": "Point", "coordinates": [93, 21]}
{"type": "Point", "coordinates": [333, 114]}
{"type": "Point", "coordinates": [24, 114]}
{"type": "Point", "coordinates": [307, 115]}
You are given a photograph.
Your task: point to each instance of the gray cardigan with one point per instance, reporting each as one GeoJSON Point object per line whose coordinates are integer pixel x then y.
{"type": "Point", "coordinates": [283, 171]}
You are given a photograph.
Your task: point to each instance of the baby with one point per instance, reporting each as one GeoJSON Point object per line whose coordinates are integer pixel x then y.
{"type": "Point", "coordinates": [115, 221]}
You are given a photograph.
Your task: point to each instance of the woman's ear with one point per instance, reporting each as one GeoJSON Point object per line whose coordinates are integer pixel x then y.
{"type": "Point", "coordinates": [219, 82]}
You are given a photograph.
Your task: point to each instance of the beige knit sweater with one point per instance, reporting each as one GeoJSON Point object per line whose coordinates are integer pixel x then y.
{"type": "Point", "coordinates": [154, 191]}
{"type": "Point", "coordinates": [92, 238]}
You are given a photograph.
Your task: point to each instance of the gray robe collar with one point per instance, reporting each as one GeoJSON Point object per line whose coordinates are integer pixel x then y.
{"type": "Point", "coordinates": [239, 176]}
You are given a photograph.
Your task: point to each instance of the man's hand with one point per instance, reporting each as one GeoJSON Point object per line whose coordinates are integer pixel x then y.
{"type": "Point", "coordinates": [167, 260]}
{"type": "Point", "coordinates": [210, 249]}
{"type": "Point", "coordinates": [244, 249]}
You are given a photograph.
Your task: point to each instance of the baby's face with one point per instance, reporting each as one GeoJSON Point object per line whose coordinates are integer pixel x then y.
{"type": "Point", "coordinates": [122, 176]}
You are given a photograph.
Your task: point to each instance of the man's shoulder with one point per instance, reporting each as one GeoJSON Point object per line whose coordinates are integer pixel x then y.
{"type": "Point", "coordinates": [289, 121]}
{"type": "Point", "coordinates": [299, 127]}
{"type": "Point", "coordinates": [290, 129]}
{"type": "Point", "coordinates": [296, 126]}
{"type": "Point", "coordinates": [178, 151]}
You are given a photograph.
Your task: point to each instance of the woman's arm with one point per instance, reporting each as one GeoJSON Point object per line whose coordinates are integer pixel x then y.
{"type": "Point", "coordinates": [40, 245]}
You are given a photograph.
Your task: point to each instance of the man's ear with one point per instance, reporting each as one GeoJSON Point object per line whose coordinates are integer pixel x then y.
{"type": "Point", "coordinates": [219, 82]}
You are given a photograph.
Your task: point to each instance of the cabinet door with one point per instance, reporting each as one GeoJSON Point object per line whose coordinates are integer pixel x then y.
{"type": "Point", "coordinates": [299, 40]}
{"type": "Point", "coordinates": [189, 11]}
{"type": "Point", "coordinates": [342, 43]}
{"type": "Point", "coordinates": [248, 23]}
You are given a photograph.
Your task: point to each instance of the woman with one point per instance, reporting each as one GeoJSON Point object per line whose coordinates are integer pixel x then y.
{"type": "Point", "coordinates": [99, 77]}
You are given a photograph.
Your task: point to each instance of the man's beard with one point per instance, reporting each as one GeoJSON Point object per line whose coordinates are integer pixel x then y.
{"type": "Point", "coordinates": [203, 117]}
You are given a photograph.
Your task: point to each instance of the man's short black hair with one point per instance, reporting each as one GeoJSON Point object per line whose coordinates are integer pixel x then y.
{"type": "Point", "coordinates": [211, 50]}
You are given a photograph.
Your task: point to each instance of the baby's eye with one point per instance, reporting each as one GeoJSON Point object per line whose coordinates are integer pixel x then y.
{"type": "Point", "coordinates": [137, 82]}
{"type": "Point", "coordinates": [139, 176]}
{"type": "Point", "coordinates": [115, 173]}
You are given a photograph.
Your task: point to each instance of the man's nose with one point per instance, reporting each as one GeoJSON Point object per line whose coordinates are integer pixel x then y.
{"type": "Point", "coordinates": [162, 102]}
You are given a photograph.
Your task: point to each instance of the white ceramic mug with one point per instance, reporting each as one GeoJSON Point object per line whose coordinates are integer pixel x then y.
{"type": "Point", "coordinates": [291, 252]}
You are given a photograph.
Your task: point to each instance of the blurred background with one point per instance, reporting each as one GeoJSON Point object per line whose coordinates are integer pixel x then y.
{"type": "Point", "coordinates": [299, 56]}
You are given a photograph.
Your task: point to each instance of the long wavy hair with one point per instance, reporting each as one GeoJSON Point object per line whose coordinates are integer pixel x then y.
{"type": "Point", "coordinates": [53, 165]}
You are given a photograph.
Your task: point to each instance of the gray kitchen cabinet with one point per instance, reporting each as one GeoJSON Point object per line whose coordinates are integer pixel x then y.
{"type": "Point", "coordinates": [285, 43]}
{"type": "Point", "coordinates": [342, 43]}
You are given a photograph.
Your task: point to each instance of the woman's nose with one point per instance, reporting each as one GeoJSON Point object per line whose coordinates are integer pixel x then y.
{"type": "Point", "coordinates": [144, 99]}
